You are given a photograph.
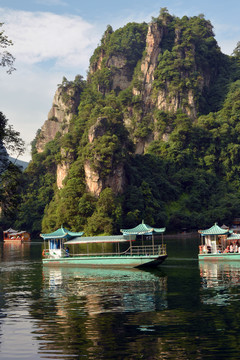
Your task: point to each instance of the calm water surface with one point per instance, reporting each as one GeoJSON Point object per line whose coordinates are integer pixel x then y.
{"type": "Point", "coordinates": [184, 310]}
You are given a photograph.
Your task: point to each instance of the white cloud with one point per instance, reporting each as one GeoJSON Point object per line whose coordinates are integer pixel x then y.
{"type": "Point", "coordinates": [38, 37]}
{"type": "Point", "coordinates": [47, 47]}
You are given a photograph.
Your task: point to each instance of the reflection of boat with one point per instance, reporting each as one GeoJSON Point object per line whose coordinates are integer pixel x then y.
{"type": "Point", "coordinates": [219, 244]}
{"type": "Point", "coordinates": [12, 235]}
{"type": "Point", "coordinates": [218, 279]}
{"type": "Point", "coordinates": [13, 250]}
{"type": "Point", "coordinates": [119, 290]}
{"type": "Point", "coordinates": [215, 273]}
{"type": "Point", "coordinates": [147, 254]}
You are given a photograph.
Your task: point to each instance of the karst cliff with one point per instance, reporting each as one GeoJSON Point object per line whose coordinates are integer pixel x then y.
{"type": "Point", "coordinates": [165, 71]}
{"type": "Point", "coordinates": [152, 133]}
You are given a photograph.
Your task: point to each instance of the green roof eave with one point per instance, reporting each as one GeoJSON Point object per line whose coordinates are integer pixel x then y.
{"type": "Point", "coordinates": [214, 230]}
{"type": "Point", "coordinates": [143, 229]}
{"type": "Point", "coordinates": [61, 233]}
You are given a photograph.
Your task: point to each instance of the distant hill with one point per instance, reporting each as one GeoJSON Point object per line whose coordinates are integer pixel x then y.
{"type": "Point", "coordinates": [22, 164]}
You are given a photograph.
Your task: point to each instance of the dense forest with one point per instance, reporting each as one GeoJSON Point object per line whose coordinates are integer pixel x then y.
{"type": "Point", "coordinates": [172, 127]}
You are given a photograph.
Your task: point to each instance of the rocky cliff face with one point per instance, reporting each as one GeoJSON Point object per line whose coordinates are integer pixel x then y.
{"type": "Point", "coordinates": [116, 178]}
{"type": "Point", "coordinates": [166, 98]}
{"type": "Point", "coordinates": [65, 105]}
{"type": "Point", "coordinates": [149, 63]}
{"type": "Point", "coordinates": [63, 167]}
{"type": "Point", "coordinates": [121, 74]}
{"type": "Point", "coordinates": [95, 184]}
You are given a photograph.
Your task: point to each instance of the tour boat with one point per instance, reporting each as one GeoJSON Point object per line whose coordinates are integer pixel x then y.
{"type": "Point", "coordinates": [12, 235]}
{"type": "Point", "coordinates": [219, 243]}
{"type": "Point", "coordinates": [97, 251]}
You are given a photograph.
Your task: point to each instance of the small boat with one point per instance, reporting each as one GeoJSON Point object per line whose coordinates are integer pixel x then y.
{"type": "Point", "coordinates": [219, 243]}
{"type": "Point", "coordinates": [12, 235]}
{"type": "Point", "coordinates": [148, 254]}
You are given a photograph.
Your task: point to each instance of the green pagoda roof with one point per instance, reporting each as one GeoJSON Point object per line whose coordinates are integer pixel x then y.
{"type": "Point", "coordinates": [143, 229]}
{"type": "Point", "coordinates": [214, 230]}
{"type": "Point", "coordinates": [61, 233]}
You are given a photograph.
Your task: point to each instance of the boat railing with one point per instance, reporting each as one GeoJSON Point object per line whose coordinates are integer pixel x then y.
{"type": "Point", "coordinates": [145, 250]}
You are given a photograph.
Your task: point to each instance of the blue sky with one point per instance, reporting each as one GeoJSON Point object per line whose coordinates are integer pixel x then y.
{"type": "Point", "coordinates": [55, 38]}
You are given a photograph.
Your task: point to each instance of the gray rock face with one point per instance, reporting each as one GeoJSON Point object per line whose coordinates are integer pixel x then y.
{"type": "Point", "coordinates": [65, 104]}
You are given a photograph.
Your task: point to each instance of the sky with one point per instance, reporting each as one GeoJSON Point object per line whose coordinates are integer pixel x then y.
{"type": "Point", "coordinates": [56, 38]}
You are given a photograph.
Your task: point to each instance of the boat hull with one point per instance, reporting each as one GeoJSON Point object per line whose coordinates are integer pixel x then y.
{"type": "Point", "coordinates": [220, 257]}
{"type": "Point", "coordinates": [18, 241]}
{"type": "Point", "coordinates": [136, 261]}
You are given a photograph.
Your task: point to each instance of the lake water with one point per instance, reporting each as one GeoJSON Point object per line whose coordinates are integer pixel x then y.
{"type": "Point", "coordinates": [184, 310]}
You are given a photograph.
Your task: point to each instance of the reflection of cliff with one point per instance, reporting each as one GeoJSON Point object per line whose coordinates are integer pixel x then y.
{"type": "Point", "coordinates": [218, 279]}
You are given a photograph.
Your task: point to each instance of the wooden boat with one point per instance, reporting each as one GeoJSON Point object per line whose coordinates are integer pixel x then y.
{"type": "Point", "coordinates": [56, 252]}
{"type": "Point", "coordinates": [219, 243]}
{"type": "Point", "coordinates": [12, 235]}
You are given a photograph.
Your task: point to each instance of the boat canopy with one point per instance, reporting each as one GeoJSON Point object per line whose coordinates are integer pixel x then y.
{"type": "Point", "coordinates": [233, 237]}
{"type": "Point", "coordinates": [100, 239]}
{"type": "Point", "coordinates": [214, 230]}
{"type": "Point", "coordinates": [143, 229]}
{"type": "Point", "coordinates": [11, 231]}
{"type": "Point", "coordinates": [61, 233]}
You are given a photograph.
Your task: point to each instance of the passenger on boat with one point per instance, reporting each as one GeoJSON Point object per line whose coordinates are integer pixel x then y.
{"type": "Point", "coordinates": [209, 249]}
{"type": "Point", "coordinates": [67, 251]}
{"type": "Point", "coordinates": [204, 249]}
{"type": "Point", "coordinates": [235, 248]}
{"type": "Point", "coordinates": [226, 250]}
{"type": "Point", "coordinates": [231, 248]}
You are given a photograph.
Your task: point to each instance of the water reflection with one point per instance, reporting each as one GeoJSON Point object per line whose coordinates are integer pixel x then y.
{"type": "Point", "coordinates": [75, 313]}
{"type": "Point", "coordinates": [220, 280]}
{"type": "Point", "coordinates": [108, 290]}
{"type": "Point", "coordinates": [12, 251]}
{"type": "Point", "coordinates": [82, 311]}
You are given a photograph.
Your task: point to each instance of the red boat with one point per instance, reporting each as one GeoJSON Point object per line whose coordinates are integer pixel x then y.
{"type": "Point", "coordinates": [15, 235]}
